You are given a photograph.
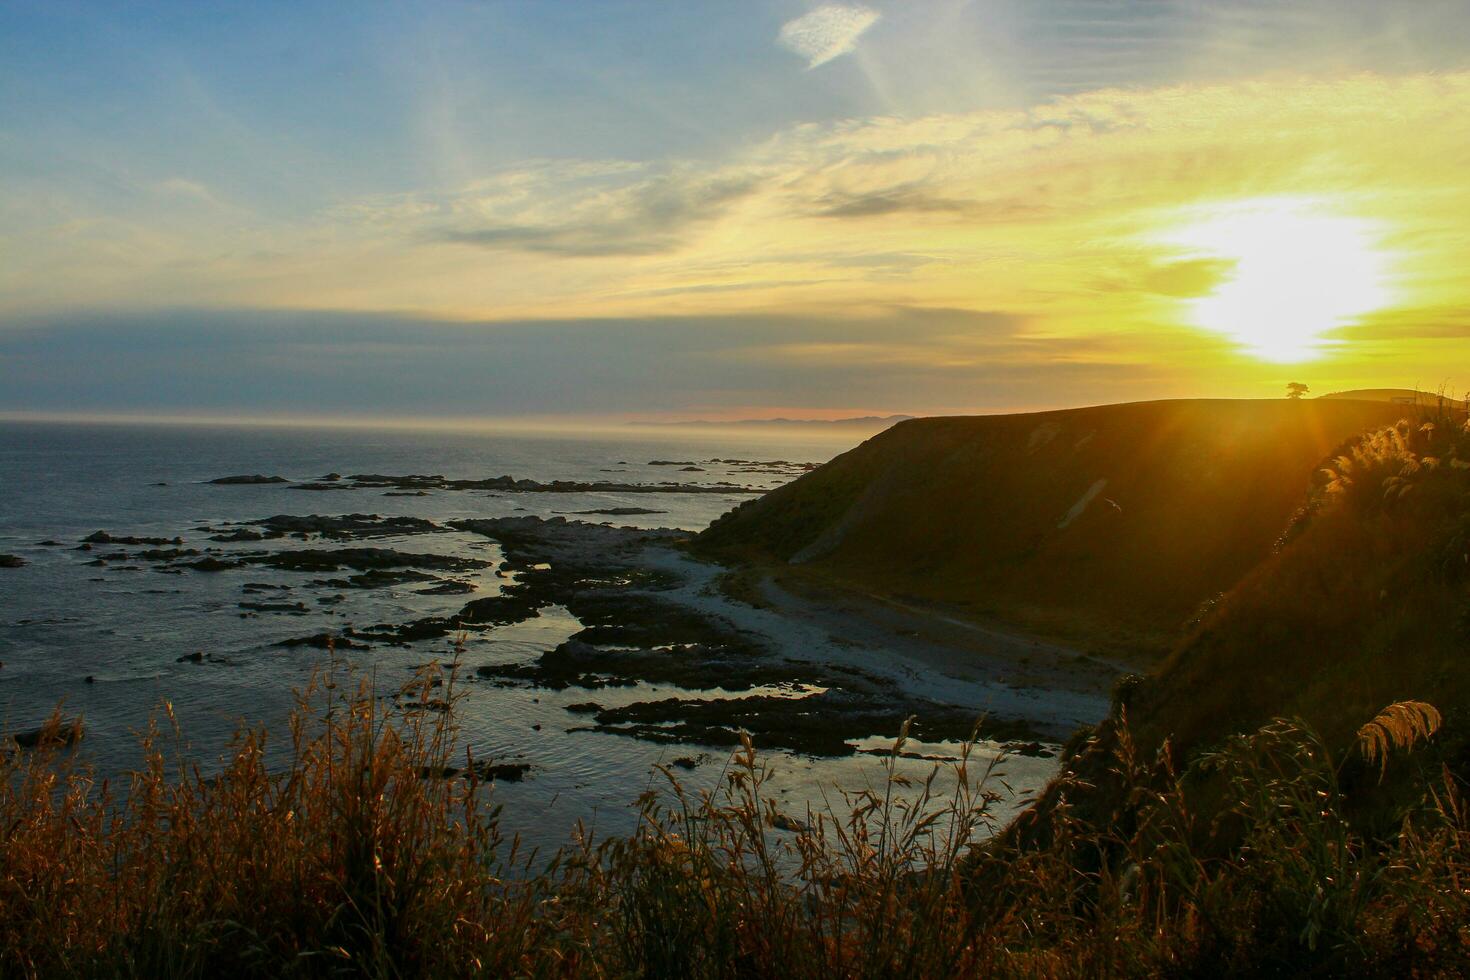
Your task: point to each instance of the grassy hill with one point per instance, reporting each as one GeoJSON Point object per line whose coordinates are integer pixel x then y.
{"type": "Point", "coordinates": [1106, 526]}
{"type": "Point", "coordinates": [1366, 602]}
{"type": "Point", "coordinates": [1402, 396]}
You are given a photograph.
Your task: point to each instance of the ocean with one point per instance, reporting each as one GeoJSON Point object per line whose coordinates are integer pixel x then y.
{"type": "Point", "coordinates": [111, 638]}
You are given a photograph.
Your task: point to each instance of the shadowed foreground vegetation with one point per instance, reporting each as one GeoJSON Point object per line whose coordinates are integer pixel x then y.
{"type": "Point", "coordinates": [354, 861]}
{"type": "Point", "coordinates": [1364, 600]}
{"type": "Point", "coordinates": [1285, 796]}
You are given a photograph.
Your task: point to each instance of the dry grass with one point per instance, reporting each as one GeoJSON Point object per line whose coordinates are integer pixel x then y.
{"type": "Point", "coordinates": [350, 862]}
{"type": "Point", "coordinates": [347, 858]}
{"type": "Point", "coordinates": [1401, 725]}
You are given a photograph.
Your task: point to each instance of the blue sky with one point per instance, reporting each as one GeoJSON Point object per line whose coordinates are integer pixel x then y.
{"type": "Point", "coordinates": [894, 206]}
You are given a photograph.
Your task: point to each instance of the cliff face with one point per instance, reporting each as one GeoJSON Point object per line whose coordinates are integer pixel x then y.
{"type": "Point", "coordinates": [1105, 526]}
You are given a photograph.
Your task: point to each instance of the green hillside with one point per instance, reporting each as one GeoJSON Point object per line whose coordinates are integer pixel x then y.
{"type": "Point", "coordinates": [1107, 526]}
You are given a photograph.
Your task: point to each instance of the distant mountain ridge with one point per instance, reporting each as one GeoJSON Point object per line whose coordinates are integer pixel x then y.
{"type": "Point", "coordinates": [862, 422]}
{"type": "Point", "coordinates": [1397, 396]}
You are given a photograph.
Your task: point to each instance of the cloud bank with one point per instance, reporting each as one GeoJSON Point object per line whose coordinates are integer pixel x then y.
{"type": "Point", "coordinates": [309, 363]}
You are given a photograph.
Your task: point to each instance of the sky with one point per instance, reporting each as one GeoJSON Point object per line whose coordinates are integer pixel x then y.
{"type": "Point", "coordinates": [668, 210]}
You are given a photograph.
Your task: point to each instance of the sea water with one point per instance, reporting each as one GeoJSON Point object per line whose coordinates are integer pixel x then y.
{"type": "Point", "coordinates": [106, 640]}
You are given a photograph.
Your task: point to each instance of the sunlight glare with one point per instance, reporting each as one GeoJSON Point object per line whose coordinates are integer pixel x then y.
{"type": "Point", "coordinates": [1298, 272]}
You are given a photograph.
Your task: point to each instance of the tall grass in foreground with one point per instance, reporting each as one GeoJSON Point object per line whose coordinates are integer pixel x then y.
{"type": "Point", "coordinates": [360, 859]}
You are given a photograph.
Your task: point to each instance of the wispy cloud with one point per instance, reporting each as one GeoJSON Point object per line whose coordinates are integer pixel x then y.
{"type": "Point", "coordinates": [575, 212]}
{"type": "Point", "coordinates": [896, 201]}
{"type": "Point", "coordinates": [183, 187]}
{"type": "Point", "coordinates": [828, 32]}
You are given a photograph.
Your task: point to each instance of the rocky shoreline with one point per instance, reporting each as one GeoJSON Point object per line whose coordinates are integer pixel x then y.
{"type": "Point", "coordinates": [418, 484]}
{"type": "Point", "coordinates": [652, 618]}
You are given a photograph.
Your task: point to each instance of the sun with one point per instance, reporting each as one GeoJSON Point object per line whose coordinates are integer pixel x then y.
{"type": "Point", "coordinates": [1297, 271]}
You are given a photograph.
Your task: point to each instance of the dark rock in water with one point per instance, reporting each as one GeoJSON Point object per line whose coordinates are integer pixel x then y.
{"type": "Point", "coordinates": [577, 663]}
{"type": "Point", "coordinates": [294, 608]}
{"type": "Point", "coordinates": [618, 511]}
{"type": "Point", "coordinates": [406, 493]}
{"type": "Point", "coordinates": [448, 588]}
{"type": "Point", "coordinates": [671, 462]}
{"type": "Point", "coordinates": [56, 732]}
{"type": "Point", "coordinates": [412, 481]}
{"type": "Point", "coordinates": [506, 772]}
{"type": "Point", "coordinates": [691, 469]}
{"type": "Point", "coordinates": [211, 565]}
{"type": "Point", "coordinates": [347, 525]}
{"type": "Point", "coordinates": [510, 772]}
{"type": "Point", "coordinates": [48, 543]}
{"type": "Point", "coordinates": [415, 484]}
{"type": "Point", "coordinates": [199, 657]}
{"type": "Point", "coordinates": [248, 480]}
{"type": "Point", "coordinates": [362, 559]}
{"type": "Point", "coordinates": [163, 554]}
{"type": "Point", "coordinates": [102, 537]}
{"type": "Point", "coordinates": [782, 821]}
{"type": "Point", "coordinates": [89, 679]}
{"type": "Point", "coordinates": [420, 629]}
{"type": "Point", "coordinates": [820, 724]}
{"type": "Point", "coordinates": [329, 478]}
{"type": "Point", "coordinates": [323, 641]}
{"type": "Point", "coordinates": [377, 578]}
{"type": "Point", "coordinates": [241, 534]}
{"type": "Point", "coordinates": [11, 561]}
